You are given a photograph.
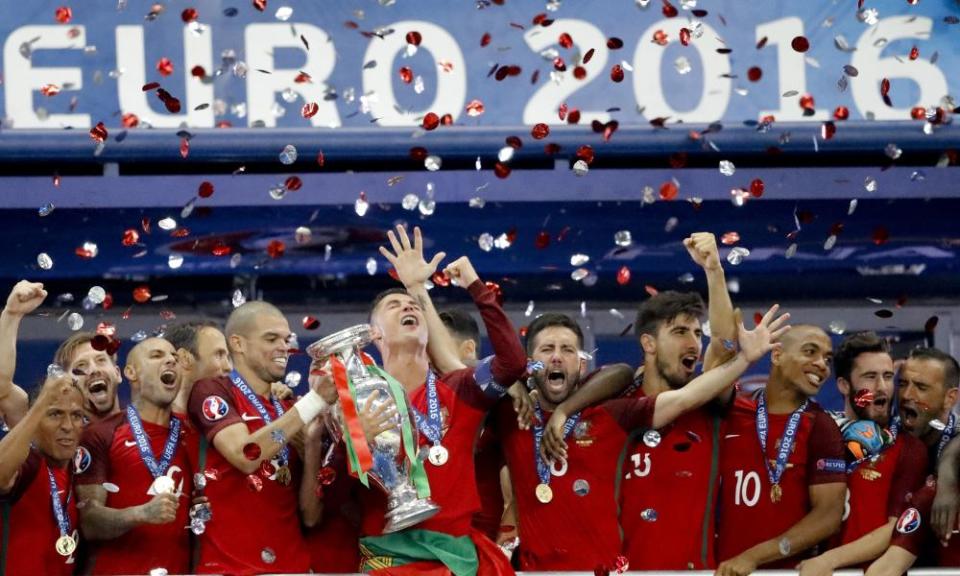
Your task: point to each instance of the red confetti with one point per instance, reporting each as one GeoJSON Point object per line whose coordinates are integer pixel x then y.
{"type": "Point", "coordinates": [414, 37]}
{"type": "Point", "coordinates": [474, 108]}
{"type": "Point", "coordinates": [431, 121]}
{"type": "Point", "coordinates": [574, 116]}
{"type": "Point", "coordinates": [579, 72]}
{"type": "Point", "coordinates": [585, 153]}
{"type": "Point", "coordinates": [406, 74]}
{"type": "Point", "coordinates": [668, 190]}
{"type": "Point", "coordinates": [914, 53]}
{"type": "Point", "coordinates": [130, 120]}
{"type": "Point", "coordinates": [501, 170]}
{"type": "Point", "coordinates": [49, 90]}
{"type": "Point", "coordinates": [205, 190]}
{"type": "Point", "coordinates": [184, 147]}
{"type": "Point", "coordinates": [757, 318]}
{"type": "Point", "coordinates": [100, 342]}
{"type": "Point", "coordinates": [130, 237]}
{"type": "Point", "coordinates": [669, 10]}
{"type": "Point", "coordinates": [836, 229]}
{"type": "Point", "coordinates": [198, 72]}
{"type": "Point", "coordinates": [188, 15]}
{"type": "Point", "coordinates": [863, 398]}
{"type": "Point", "coordinates": [221, 249]}
{"type": "Point", "coordinates": [586, 58]}
{"type": "Point", "coordinates": [559, 65]}
{"type": "Point", "coordinates": [918, 113]}
{"type": "Point", "coordinates": [730, 238]}
{"type": "Point", "coordinates": [880, 235]}
{"type": "Point", "coordinates": [756, 188]}
{"type": "Point", "coordinates": [326, 476]}
{"type": "Point", "coordinates": [254, 482]}
{"type": "Point", "coordinates": [321, 159]}
{"type": "Point", "coordinates": [841, 113]}
{"type": "Point", "coordinates": [660, 37]}
{"type": "Point", "coordinates": [276, 248]}
{"type": "Point", "coordinates": [623, 276]}
{"type": "Point", "coordinates": [150, 86]}
{"type": "Point", "coordinates": [145, 224]}
{"type": "Point", "coordinates": [418, 153]}
{"type": "Point", "coordinates": [99, 132]}
{"type": "Point", "coordinates": [540, 131]}
{"type": "Point", "coordinates": [754, 74]}
{"type": "Point", "coordinates": [293, 183]}
{"type": "Point", "coordinates": [497, 292]}
{"type": "Point", "coordinates": [551, 148]}
{"type": "Point", "coordinates": [523, 331]}
{"type": "Point", "coordinates": [310, 109]}
{"type": "Point", "coordinates": [63, 14]}
{"type": "Point", "coordinates": [609, 128]}
{"type": "Point", "coordinates": [485, 39]}
{"type": "Point", "coordinates": [885, 87]}
{"type": "Point", "coordinates": [164, 66]}
{"type": "Point", "coordinates": [828, 129]}
{"type": "Point", "coordinates": [616, 73]}
{"type": "Point", "coordinates": [260, 5]}
{"type": "Point", "coordinates": [141, 294]}
{"type": "Point", "coordinates": [514, 142]}
{"type": "Point", "coordinates": [303, 78]}
{"type": "Point", "coordinates": [252, 451]}
{"type": "Point", "coordinates": [446, 119]}
{"type": "Point", "coordinates": [807, 102]}
{"type": "Point", "coordinates": [542, 240]}
{"type": "Point", "coordinates": [180, 233]}
{"type": "Point", "coordinates": [565, 40]}
{"type": "Point", "coordinates": [762, 42]}
{"type": "Point", "coordinates": [685, 36]}
{"type": "Point", "coordinates": [800, 44]}
{"type": "Point", "coordinates": [614, 43]}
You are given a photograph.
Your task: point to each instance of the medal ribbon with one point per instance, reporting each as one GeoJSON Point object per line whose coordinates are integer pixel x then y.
{"type": "Point", "coordinates": [786, 442]}
{"type": "Point", "coordinates": [358, 452]}
{"type": "Point", "coordinates": [430, 425]}
{"type": "Point", "coordinates": [543, 470]}
{"type": "Point", "coordinates": [252, 399]}
{"type": "Point", "coordinates": [59, 508]}
{"type": "Point", "coordinates": [418, 473]}
{"type": "Point", "coordinates": [157, 469]}
{"type": "Point", "coordinates": [947, 434]}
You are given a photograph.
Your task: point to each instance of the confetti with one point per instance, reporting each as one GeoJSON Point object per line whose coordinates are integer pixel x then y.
{"type": "Point", "coordinates": [44, 261]}
{"type": "Point", "coordinates": [623, 276]}
{"type": "Point", "coordinates": [360, 205]}
{"type": "Point", "coordinates": [623, 238]}
{"type": "Point", "coordinates": [485, 241]}
{"type": "Point", "coordinates": [141, 294]}
{"type": "Point", "coordinates": [727, 168]}
{"type": "Point", "coordinates": [540, 131]}
{"type": "Point", "coordinates": [288, 155]}
{"type": "Point", "coordinates": [63, 14]}
{"type": "Point", "coordinates": [736, 255]}
{"type": "Point", "coordinates": [800, 44]}
{"type": "Point", "coordinates": [669, 190]}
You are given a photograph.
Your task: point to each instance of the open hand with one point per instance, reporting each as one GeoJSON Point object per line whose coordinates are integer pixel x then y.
{"type": "Point", "coordinates": [757, 342]}
{"type": "Point", "coordinates": [412, 269]}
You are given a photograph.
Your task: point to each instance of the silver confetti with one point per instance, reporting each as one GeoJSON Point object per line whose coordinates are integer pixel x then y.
{"type": "Point", "coordinates": [75, 321]}
{"type": "Point", "coordinates": [579, 274]}
{"type": "Point", "coordinates": [292, 379]}
{"type": "Point", "coordinates": [737, 254]}
{"type": "Point", "coordinates": [371, 266]}
{"type": "Point", "coordinates": [175, 261]}
{"type": "Point", "coordinates": [427, 206]}
{"type": "Point", "coordinates": [831, 242]}
{"type": "Point", "coordinates": [44, 261]}
{"type": "Point", "coordinates": [96, 294]}
{"type": "Point", "coordinates": [837, 327]}
{"type": "Point", "coordinates": [580, 168]}
{"type": "Point", "coordinates": [870, 184]}
{"type": "Point", "coordinates": [46, 209]}
{"type": "Point", "coordinates": [727, 168]}
{"type": "Point", "coordinates": [288, 155]}
{"type": "Point", "coordinates": [485, 241]}
{"type": "Point", "coordinates": [623, 238]}
{"type": "Point", "coordinates": [432, 163]}
{"type": "Point", "coordinates": [238, 299]}
{"type": "Point", "coordinates": [579, 259]}
{"type": "Point", "coordinates": [892, 151]}
{"type": "Point", "coordinates": [360, 206]}
{"type": "Point", "coordinates": [167, 224]}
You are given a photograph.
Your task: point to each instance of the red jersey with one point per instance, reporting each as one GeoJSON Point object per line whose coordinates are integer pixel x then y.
{"type": "Point", "coordinates": [747, 514]}
{"type": "Point", "coordinates": [29, 530]}
{"type": "Point", "coordinates": [897, 473]}
{"type": "Point", "coordinates": [465, 398]}
{"type": "Point", "coordinates": [578, 529]}
{"type": "Point", "coordinates": [914, 533]}
{"type": "Point", "coordinates": [333, 543]}
{"type": "Point", "coordinates": [115, 458]}
{"type": "Point", "coordinates": [251, 531]}
{"type": "Point", "coordinates": [674, 476]}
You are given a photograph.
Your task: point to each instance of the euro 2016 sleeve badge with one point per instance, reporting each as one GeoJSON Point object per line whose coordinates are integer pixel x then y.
{"type": "Point", "coordinates": [215, 408]}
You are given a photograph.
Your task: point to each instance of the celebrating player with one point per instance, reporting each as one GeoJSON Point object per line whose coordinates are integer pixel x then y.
{"type": "Point", "coordinates": [783, 474]}
{"type": "Point", "coordinates": [202, 353]}
{"type": "Point", "coordinates": [95, 371]}
{"type": "Point", "coordinates": [135, 472]}
{"type": "Point", "coordinates": [24, 299]}
{"type": "Point", "coordinates": [36, 483]}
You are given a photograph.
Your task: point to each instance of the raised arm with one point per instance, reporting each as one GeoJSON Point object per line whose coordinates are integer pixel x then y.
{"type": "Point", "coordinates": [702, 247]}
{"type": "Point", "coordinates": [24, 299]}
{"type": "Point", "coordinates": [753, 345]}
{"type": "Point", "coordinates": [413, 271]}
{"type": "Point", "coordinates": [823, 519]}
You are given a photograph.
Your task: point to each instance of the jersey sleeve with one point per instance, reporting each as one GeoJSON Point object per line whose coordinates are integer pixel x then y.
{"type": "Point", "coordinates": [509, 362]}
{"type": "Point", "coordinates": [911, 472]}
{"type": "Point", "coordinates": [96, 440]}
{"type": "Point", "coordinates": [913, 528]}
{"type": "Point", "coordinates": [211, 407]}
{"type": "Point", "coordinates": [25, 475]}
{"type": "Point", "coordinates": [632, 413]}
{"type": "Point", "coordinates": [825, 458]}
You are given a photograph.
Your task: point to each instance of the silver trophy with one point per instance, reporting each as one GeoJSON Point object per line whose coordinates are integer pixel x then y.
{"type": "Point", "coordinates": [391, 467]}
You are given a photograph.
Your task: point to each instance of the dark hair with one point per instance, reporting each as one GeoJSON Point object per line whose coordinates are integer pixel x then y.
{"type": "Point", "coordinates": [184, 334]}
{"type": "Point", "coordinates": [664, 308]}
{"type": "Point", "coordinates": [951, 370]}
{"type": "Point", "coordinates": [550, 320]}
{"type": "Point", "coordinates": [852, 347]}
{"type": "Point", "coordinates": [379, 298]}
{"type": "Point", "coordinates": [461, 324]}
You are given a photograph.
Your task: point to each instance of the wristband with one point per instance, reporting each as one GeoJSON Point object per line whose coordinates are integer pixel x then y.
{"type": "Point", "coordinates": [310, 406]}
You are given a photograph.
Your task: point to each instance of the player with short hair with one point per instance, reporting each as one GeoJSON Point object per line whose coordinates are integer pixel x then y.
{"type": "Point", "coordinates": [136, 477]}
{"type": "Point", "coordinates": [202, 352]}
{"type": "Point", "coordinates": [24, 298]}
{"type": "Point", "coordinates": [96, 372]}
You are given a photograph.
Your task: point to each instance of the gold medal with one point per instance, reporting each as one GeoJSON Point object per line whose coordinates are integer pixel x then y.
{"type": "Point", "coordinates": [283, 475]}
{"type": "Point", "coordinates": [66, 545]}
{"type": "Point", "coordinates": [544, 493]}
{"type": "Point", "coordinates": [870, 474]}
{"type": "Point", "coordinates": [776, 493]}
{"type": "Point", "coordinates": [438, 455]}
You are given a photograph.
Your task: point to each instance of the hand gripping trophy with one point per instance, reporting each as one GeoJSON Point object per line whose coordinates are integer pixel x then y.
{"type": "Point", "coordinates": [391, 459]}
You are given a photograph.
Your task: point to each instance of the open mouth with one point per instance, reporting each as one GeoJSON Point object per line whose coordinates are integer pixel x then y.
{"type": "Point", "coordinates": [909, 413]}
{"type": "Point", "coordinates": [556, 379]}
{"type": "Point", "coordinates": [98, 389]}
{"type": "Point", "coordinates": [280, 361]}
{"type": "Point", "coordinates": [689, 362]}
{"type": "Point", "coordinates": [409, 320]}
{"type": "Point", "coordinates": [168, 377]}
{"type": "Point", "coordinates": [814, 379]}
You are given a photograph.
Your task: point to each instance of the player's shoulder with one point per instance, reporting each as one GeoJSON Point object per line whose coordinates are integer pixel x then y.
{"type": "Point", "coordinates": [822, 422]}
{"type": "Point", "coordinates": [206, 386]}
{"type": "Point", "coordinates": [103, 430]}
{"type": "Point", "coordinates": [744, 405]}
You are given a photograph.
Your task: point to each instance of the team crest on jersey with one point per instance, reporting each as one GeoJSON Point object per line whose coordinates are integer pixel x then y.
{"type": "Point", "coordinates": [81, 460]}
{"type": "Point", "coordinates": [581, 434]}
{"type": "Point", "coordinates": [909, 521]}
{"type": "Point", "coordinates": [215, 408]}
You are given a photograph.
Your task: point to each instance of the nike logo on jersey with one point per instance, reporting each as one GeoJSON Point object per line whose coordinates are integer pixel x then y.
{"type": "Point", "coordinates": [247, 417]}
{"type": "Point", "coordinates": [129, 443]}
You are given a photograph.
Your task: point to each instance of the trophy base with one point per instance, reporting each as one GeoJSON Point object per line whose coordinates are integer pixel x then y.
{"type": "Point", "coordinates": [408, 514]}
